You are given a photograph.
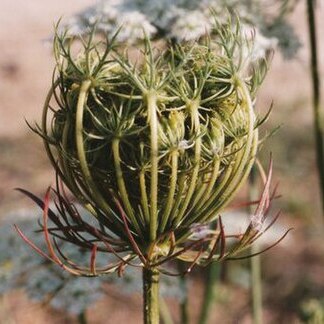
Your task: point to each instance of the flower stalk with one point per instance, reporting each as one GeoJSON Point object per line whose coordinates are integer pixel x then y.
{"type": "Point", "coordinates": [151, 296]}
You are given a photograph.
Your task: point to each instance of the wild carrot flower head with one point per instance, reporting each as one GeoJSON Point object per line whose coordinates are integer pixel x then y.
{"type": "Point", "coordinates": [153, 149]}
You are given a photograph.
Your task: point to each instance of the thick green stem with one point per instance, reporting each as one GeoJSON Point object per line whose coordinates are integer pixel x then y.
{"type": "Point", "coordinates": [151, 296]}
{"type": "Point", "coordinates": [318, 122]}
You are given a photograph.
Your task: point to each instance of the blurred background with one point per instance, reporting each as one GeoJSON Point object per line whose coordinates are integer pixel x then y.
{"type": "Point", "coordinates": [293, 272]}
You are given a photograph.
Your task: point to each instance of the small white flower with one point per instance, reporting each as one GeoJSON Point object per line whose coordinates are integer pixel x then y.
{"type": "Point", "coordinates": [190, 25]}
{"type": "Point", "coordinates": [260, 45]}
{"type": "Point", "coordinates": [134, 25]}
{"type": "Point", "coordinates": [108, 11]}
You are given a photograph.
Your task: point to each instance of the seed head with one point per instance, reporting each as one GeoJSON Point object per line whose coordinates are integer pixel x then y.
{"type": "Point", "coordinates": [153, 149]}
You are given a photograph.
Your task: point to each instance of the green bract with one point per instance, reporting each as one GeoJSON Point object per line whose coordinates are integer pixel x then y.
{"type": "Point", "coordinates": [163, 141]}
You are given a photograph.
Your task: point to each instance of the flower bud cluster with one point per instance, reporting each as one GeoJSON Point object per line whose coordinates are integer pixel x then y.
{"type": "Point", "coordinates": [152, 148]}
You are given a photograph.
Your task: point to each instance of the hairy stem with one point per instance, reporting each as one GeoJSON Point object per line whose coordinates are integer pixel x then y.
{"type": "Point", "coordinates": [151, 296]}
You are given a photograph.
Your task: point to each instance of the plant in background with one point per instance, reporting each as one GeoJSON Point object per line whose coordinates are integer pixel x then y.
{"type": "Point", "coordinates": [153, 150]}
{"type": "Point", "coordinates": [316, 96]}
{"type": "Point", "coordinates": [183, 20]}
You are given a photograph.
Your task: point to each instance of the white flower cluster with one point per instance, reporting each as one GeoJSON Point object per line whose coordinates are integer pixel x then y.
{"type": "Point", "coordinates": [190, 25]}
{"type": "Point", "coordinates": [187, 20]}
{"type": "Point", "coordinates": [181, 20]}
{"type": "Point", "coordinates": [108, 16]}
{"type": "Point", "coordinates": [260, 44]}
